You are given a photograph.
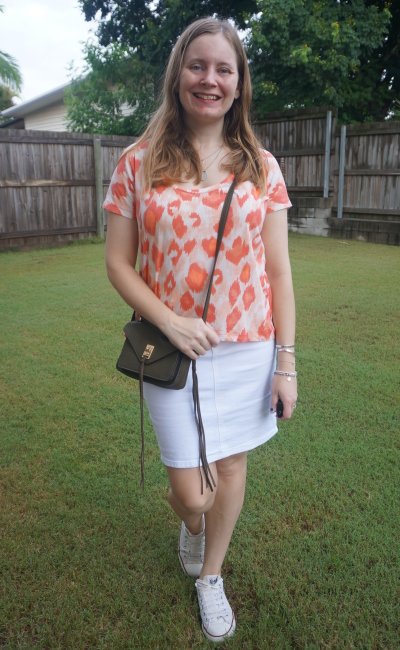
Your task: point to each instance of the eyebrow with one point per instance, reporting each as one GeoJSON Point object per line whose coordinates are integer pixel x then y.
{"type": "Point", "coordinates": [228, 65]}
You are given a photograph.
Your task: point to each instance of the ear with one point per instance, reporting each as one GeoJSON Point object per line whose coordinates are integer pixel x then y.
{"type": "Point", "coordinates": [238, 89]}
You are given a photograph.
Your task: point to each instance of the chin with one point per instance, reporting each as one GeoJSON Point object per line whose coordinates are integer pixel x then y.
{"type": "Point", "coordinates": [207, 113]}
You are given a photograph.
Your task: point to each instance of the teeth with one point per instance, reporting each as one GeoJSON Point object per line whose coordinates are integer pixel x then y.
{"type": "Point", "coordinates": [206, 96]}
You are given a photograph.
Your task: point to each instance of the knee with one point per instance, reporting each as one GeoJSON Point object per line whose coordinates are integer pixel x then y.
{"type": "Point", "coordinates": [194, 502]}
{"type": "Point", "coordinates": [185, 490]}
{"type": "Point", "coordinates": [233, 466]}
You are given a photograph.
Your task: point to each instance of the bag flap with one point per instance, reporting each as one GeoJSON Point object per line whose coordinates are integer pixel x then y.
{"type": "Point", "coordinates": [140, 334]}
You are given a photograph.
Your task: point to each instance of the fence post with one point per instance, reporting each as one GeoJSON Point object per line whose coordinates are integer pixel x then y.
{"type": "Point", "coordinates": [282, 165]}
{"type": "Point", "coordinates": [341, 170]}
{"type": "Point", "coordinates": [327, 152]}
{"type": "Point", "coordinates": [98, 178]}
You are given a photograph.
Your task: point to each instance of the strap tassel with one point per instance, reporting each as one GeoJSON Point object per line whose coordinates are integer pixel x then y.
{"type": "Point", "coordinates": [202, 438]}
{"type": "Point", "coordinates": [141, 421]}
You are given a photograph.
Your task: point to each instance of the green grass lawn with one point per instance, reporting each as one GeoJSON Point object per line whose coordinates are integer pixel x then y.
{"type": "Point", "coordinates": [88, 562]}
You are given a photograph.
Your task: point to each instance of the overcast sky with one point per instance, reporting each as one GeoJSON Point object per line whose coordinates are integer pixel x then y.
{"type": "Point", "coordinates": [43, 36]}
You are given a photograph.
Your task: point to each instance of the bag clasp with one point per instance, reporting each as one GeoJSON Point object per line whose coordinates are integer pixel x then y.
{"type": "Point", "coordinates": [148, 351]}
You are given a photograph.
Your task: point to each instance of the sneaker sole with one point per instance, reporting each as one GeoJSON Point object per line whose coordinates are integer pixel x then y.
{"type": "Point", "coordinates": [219, 638]}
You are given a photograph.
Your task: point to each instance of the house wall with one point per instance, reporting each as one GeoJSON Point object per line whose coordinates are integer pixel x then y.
{"type": "Point", "coordinates": [51, 118]}
{"type": "Point", "coordinates": [126, 109]}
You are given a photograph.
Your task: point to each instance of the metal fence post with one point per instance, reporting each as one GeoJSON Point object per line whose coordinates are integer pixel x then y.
{"type": "Point", "coordinates": [98, 178]}
{"type": "Point", "coordinates": [341, 170]}
{"type": "Point", "coordinates": [282, 165]}
{"type": "Point", "coordinates": [327, 152]}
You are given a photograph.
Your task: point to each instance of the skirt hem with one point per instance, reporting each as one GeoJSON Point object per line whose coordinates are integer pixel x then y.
{"type": "Point", "coordinates": [212, 458]}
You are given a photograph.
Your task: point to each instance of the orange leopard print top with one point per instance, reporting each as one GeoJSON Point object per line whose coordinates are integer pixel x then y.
{"type": "Point", "coordinates": [177, 240]}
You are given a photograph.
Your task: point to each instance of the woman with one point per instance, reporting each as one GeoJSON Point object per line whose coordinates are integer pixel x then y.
{"type": "Point", "coordinates": [165, 201]}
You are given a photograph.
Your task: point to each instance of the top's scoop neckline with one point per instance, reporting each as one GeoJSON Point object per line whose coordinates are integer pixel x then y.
{"type": "Point", "coordinates": [201, 190]}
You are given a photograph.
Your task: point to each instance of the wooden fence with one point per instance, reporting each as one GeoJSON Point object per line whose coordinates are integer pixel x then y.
{"type": "Point", "coordinates": [371, 186]}
{"type": "Point", "coordinates": [298, 140]}
{"type": "Point", "coordinates": [48, 191]}
{"type": "Point", "coordinates": [47, 185]}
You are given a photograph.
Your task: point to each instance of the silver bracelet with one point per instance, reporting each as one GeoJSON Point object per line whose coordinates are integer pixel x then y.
{"type": "Point", "coordinates": [288, 375]}
{"type": "Point", "coordinates": [290, 351]}
{"type": "Point", "coordinates": [279, 346]}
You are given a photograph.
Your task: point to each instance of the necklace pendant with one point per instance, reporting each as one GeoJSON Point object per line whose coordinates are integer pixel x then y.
{"type": "Point", "coordinates": [204, 176]}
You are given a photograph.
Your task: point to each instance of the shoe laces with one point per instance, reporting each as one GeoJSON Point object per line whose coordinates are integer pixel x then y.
{"type": "Point", "coordinates": [212, 600]}
{"type": "Point", "coordinates": [193, 546]}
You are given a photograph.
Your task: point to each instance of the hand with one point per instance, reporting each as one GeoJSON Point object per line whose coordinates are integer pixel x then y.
{"type": "Point", "coordinates": [192, 336]}
{"type": "Point", "coordinates": [287, 391]}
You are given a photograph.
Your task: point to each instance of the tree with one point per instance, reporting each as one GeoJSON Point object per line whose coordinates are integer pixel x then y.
{"type": "Point", "coordinates": [114, 94]}
{"type": "Point", "coordinates": [302, 53]}
{"type": "Point", "coordinates": [377, 79]}
{"type": "Point", "coordinates": [6, 98]}
{"type": "Point", "coordinates": [10, 78]}
{"type": "Point", "coordinates": [306, 53]}
{"type": "Point", "coordinates": [126, 67]}
{"type": "Point", "coordinates": [9, 71]}
{"type": "Point", "coordinates": [153, 31]}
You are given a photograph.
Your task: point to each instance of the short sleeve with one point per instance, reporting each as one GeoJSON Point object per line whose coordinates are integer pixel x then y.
{"type": "Point", "coordinates": [276, 189]}
{"type": "Point", "coordinates": [120, 197]}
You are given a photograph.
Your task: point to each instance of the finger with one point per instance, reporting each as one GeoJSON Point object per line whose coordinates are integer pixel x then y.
{"type": "Point", "coordinates": [274, 400]}
{"type": "Point", "coordinates": [206, 345]}
{"type": "Point", "coordinates": [212, 335]}
{"type": "Point", "coordinates": [198, 349]}
{"type": "Point", "coordinates": [288, 404]}
{"type": "Point", "coordinates": [203, 339]}
{"type": "Point", "coordinates": [192, 355]}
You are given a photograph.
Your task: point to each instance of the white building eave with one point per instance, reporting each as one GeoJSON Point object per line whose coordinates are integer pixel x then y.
{"type": "Point", "coordinates": [32, 105]}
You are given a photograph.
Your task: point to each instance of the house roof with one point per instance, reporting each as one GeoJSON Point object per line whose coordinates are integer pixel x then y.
{"type": "Point", "coordinates": [32, 105]}
{"type": "Point", "coordinates": [13, 123]}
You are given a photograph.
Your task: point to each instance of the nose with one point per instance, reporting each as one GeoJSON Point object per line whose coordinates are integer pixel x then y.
{"type": "Point", "coordinates": [209, 77]}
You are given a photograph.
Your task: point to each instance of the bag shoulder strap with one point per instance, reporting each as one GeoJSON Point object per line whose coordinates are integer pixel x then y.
{"type": "Point", "coordinates": [210, 482]}
{"type": "Point", "coordinates": [221, 228]}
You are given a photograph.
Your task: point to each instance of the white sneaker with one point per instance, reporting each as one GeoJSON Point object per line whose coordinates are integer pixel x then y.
{"type": "Point", "coordinates": [191, 551]}
{"type": "Point", "coordinates": [218, 619]}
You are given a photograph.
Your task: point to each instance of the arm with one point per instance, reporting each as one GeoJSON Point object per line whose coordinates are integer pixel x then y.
{"type": "Point", "coordinates": [275, 239]}
{"type": "Point", "coordinates": [191, 335]}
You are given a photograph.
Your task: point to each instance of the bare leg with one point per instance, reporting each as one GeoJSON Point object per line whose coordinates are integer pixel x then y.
{"type": "Point", "coordinates": [185, 496]}
{"type": "Point", "coordinates": [222, 516]}
{"type": "Point", "coordinates": [221, 507]}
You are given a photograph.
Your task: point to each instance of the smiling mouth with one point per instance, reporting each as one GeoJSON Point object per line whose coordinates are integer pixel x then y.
{"type": "Point", "coordinates": [204, 96]}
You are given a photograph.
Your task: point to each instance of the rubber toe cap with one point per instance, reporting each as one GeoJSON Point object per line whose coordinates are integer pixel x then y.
{"type": "Point", "coordinates": [219, 629]}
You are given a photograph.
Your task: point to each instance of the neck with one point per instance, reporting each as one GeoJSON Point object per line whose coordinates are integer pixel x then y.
{"type": "Point", "coordinates": [207, 136]}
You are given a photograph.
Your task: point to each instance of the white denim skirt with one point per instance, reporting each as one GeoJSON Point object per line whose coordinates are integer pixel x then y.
{"type": "Point", "coordinates": [235, 399]}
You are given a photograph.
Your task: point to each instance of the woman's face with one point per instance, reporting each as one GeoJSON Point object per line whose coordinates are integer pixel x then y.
{"type": "Point", "coordinates": [209, 79]}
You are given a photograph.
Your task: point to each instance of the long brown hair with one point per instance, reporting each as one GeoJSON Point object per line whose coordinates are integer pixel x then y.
{"type": "Point", "coordinates": [170, 153]}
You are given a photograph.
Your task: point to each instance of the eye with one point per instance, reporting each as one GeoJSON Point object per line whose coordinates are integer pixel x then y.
{"type": "Point", "coordinates": [224, 70]}
{"type": "Point", "coordinates": [195, 66]}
